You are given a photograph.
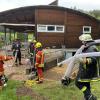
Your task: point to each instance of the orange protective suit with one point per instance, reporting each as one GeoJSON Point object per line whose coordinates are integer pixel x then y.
{"type": "Point", "coordinates": [40, 64]}
{"type": "Point", "coordinates": [2, 59]}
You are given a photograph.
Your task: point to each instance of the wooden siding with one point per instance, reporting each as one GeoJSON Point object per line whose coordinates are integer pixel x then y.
{"type": "Point", "coordinates": [51, 39]}
{"type": "Point", "coordinates": [50, 17]}
{"type": "Point", "coordinates": [73, 23]}
{"type": "Point", "coordinates": [74, 28]}
{"type": "Point", "coordinates": [45, 16]}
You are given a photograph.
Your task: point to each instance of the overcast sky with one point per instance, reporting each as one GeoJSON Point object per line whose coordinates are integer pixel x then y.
{"type": "Point", "coordinates": [79, 4]}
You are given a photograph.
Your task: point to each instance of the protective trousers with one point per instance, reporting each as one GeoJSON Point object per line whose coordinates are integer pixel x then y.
{"type": "Point", "coordinates": [85, 88]}
{"type": "Point", "coordinates": [40, 73]}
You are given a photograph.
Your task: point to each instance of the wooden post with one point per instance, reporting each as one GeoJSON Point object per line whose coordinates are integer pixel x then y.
{"type": "Point", "coordinates": [14, 35]}
{"type": "Point", "coordinates": [5, 45]}
{"type": "Point", "coordinates": [5, 35]}
{"type": "Point", "coordinates": [10, 34]}
{"type": "Point", "coordinates": [36, 33]}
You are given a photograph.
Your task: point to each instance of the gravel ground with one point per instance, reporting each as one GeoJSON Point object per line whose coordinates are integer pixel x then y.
{"type": "Point", "coordinates": [19, 72]}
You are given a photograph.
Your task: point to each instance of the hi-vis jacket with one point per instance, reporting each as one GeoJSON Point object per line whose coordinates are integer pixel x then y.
{"type": "Point", "coordinates": [39, 59]}
{"type": "Point", "coordinates": [90, 70]}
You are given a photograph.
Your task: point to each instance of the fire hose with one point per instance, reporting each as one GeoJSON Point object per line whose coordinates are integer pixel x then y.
{"type": "Point", "coordinates": [71, 61]}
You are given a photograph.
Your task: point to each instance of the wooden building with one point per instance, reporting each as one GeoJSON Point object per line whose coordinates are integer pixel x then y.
{"type": "Point", "coordinates": [52, 25]}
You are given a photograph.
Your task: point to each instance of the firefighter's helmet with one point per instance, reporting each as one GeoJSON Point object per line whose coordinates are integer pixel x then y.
{"type": "Point", "coordinates": [34, 41]}
{"type": "Point", "coordinates": [38, 45]}
{"type": "Point", "coordinates": [85, 37]}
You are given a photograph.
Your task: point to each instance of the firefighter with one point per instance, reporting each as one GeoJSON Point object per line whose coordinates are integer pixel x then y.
{"type": "Point", "coordinates": [32, 48]}
{"type": "Point", "coordinates": [34, 58]}
{"type": "Point", "coordinates": [39, 64]}
{"type": "Point", "coordinates": [16, 47]}
{"type": "Point", "coordinates": [88, 68]}
{"type": "Point", "coordinates": [32, 52]}
{"type": "Point", "coordinates": [3, 79]}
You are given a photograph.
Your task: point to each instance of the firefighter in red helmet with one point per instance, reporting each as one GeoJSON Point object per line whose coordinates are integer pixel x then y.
{"type": "Point", "coordinates": [39, 64]}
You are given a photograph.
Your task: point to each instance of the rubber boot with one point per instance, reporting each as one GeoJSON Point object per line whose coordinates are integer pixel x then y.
{"type": "Point", "coordinates": [91, 97]}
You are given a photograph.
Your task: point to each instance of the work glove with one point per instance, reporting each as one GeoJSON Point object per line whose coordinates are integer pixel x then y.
{"type": "Point", "coordinates": [83, 60]}
{"type": "Point", "coordinates": [60, 65]}
{"type": "Point", "coordinates": [65, 81]}
{"type": "Point", "coordinates": [31, 54]}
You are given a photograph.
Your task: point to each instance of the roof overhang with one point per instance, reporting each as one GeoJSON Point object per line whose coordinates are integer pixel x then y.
{"type": "Point", "coordinates": [19, 27]}
{"type": "Point", "coordinates": [13, 24]}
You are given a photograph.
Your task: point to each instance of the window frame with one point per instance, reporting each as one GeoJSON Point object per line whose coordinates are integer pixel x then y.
{"type": "Point", "coordinates": [46, 28]}
{"type": "Point", "coordinates": [60, 26]}
{"type": "Point", "coordinates": [39, 30]}
{"type": "Point", "coordinates": [87, 31]}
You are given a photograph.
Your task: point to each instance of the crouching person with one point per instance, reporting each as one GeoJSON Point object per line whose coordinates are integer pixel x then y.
{"type": "Point", "coordinates": [3, 79]}
{"type": "Point", "coordinates": [39, 64]}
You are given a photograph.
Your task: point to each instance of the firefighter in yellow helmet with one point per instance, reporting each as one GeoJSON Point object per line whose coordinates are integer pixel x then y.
{"type": "Point", "coordinates": [31, 50]}
{"type": "Point", "coordinates": [88, 68]}
{"type": "Point", "coordinates": [39, 64]}
{"type": "Point", "coordinates": [32, 53]}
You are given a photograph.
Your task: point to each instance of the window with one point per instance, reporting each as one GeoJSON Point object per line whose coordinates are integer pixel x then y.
{"type": "Point", "coordinates": [41, 28]}
{"type": "Point", "coordinates": [60, 28]}
{"type": "Point", "coordinates": [50, 28]}
{"type": "Point", "coordinates": [86, 29]}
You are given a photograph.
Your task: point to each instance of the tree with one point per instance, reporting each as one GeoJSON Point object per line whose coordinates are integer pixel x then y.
{"type": "Point", "coordinates": [95, 13]}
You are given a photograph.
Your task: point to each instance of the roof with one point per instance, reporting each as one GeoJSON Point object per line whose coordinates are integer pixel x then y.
{"type": "Point", "coordinates": [26, 15]}
{"type": "Point", "coordinates": [19, 27]}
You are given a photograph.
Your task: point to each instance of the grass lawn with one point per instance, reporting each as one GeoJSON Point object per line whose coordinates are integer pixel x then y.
{"type": "Point", "coordinates": [49, 90]}
{"type": "Point", "coordinates": [9, 92]}
{"type": "Point", "coordinates": [55, 91]}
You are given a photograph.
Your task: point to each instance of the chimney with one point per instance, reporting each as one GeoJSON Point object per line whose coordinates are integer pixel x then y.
{"type": "Point", "coordinates": [54, 3]}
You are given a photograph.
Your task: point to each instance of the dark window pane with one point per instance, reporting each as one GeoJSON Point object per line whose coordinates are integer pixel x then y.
{"type": "Point", "coordinates": [86, 29]}
{"type": "Point", "coordinates": [51, 28]}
